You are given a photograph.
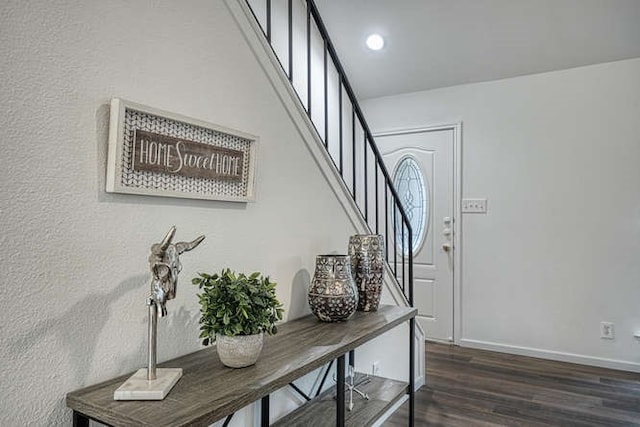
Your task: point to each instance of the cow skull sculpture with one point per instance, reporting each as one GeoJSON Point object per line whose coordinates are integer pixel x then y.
{"type": "Point", "coordinates": [164, 263]}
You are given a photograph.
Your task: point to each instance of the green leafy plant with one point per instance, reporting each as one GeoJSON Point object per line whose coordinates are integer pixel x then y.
{"type": "Point", "coordinates": [236, 304]}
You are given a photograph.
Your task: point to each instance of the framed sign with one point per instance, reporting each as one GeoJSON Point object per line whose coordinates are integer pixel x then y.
{"type": "Point", "coordinates": [159, 153]}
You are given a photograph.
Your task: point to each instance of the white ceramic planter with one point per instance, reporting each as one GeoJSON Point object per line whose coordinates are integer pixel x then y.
{"type": "Point", "coordinates": [240, 350]}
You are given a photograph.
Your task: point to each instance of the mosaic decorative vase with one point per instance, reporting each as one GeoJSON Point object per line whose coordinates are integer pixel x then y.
{"type": "Point", "coordinates": [333, 296]}
{"type": "Point", "coordinates": [367, 267]}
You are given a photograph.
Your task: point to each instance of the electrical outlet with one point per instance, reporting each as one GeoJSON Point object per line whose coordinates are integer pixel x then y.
{"type": "Point", "coordinates": [375, 368]}
{"type": "Point", "coordinates": [474, 205]}
{"type": "Point", "coordinates": [606, 330]}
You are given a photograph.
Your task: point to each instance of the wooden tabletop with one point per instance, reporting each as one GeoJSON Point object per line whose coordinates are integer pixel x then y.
{"type": "Point", "coordinates": [209, 391]}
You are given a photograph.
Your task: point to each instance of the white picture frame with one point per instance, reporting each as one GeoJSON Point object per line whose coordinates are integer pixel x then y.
{"type": "Point", "coordinates": [175, 171]}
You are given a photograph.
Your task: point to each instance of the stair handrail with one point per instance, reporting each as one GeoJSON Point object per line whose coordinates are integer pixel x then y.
{"type": "Point", "coordinates": [312, 12]}
{"type": "Point", "coordinates": [368, 135]}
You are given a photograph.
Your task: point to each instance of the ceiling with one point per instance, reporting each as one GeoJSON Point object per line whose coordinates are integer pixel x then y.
{"type": "Point", "coordinates": [439, 43]}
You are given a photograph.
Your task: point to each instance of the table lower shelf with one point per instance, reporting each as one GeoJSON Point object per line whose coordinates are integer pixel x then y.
{"type": "Point", "coordinates": [321, 411]}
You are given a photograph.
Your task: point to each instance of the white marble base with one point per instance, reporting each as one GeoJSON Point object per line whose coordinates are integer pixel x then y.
{"type": "Point", "coordinates": [138, 387]}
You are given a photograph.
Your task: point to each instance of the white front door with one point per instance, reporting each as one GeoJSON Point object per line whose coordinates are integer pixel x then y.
{"type": "Point", "coordinates": [427, 156]}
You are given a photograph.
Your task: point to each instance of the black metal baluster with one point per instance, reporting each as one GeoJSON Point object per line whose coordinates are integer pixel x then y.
{"type": "Point", "coordinates": [353, 150]}
{"type": "Point", "coordinates": [326, 99]}
{"type": "Point", "coordinates": [309, 58]}
{"type": "Point", "coordinates": [395, 239]}
{"type": "Point", "coordinates": [340, 123]}
{"type": "Point", "coordinates": [377, 202]}
{"type": "Point", "coordinates": [403, 258]}
{"type": "Point", "coordinates": [410, 266]}
{"type": "Point", "coordinates": [386, 222]}
{"type": "Point", "coordinates": [290, 19]}
{"type": "Point", "coordinates": [366, 180]}
{"type": "Point", "coordinates": [269, 20]}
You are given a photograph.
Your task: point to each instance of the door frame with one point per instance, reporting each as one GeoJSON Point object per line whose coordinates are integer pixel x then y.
{"type": "Point", "coordinates": [456, 209]}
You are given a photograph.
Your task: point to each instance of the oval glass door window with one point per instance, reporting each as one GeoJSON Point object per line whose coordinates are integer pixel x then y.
{"type": "Point", "coordinates": [414, 198]}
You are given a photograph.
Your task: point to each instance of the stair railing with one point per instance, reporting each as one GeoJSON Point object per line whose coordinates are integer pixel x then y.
{"type": "Point", "coordinates": [359, 163]}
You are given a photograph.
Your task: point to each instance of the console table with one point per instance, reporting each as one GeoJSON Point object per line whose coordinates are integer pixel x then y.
{"type": "Point", "coordinates": [208, 391]}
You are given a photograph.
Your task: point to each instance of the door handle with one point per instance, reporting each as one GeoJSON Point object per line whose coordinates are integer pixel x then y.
{"type": "Point", "coordinates": [446, 247]}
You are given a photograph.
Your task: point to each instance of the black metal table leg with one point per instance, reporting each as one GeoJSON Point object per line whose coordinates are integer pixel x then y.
{"type": "Point", "coordinates": [412, 344]}
{"type": "Point", "coordinates": [80, 420]}
{"type": "Point", "coordinates": [340, 407]}
{"type": "Point", "coordinates": [324, 378]}
{"type": "Point", "coordinates": [264, 411]}
{"type": "Point", "coordinates": [227, 420]}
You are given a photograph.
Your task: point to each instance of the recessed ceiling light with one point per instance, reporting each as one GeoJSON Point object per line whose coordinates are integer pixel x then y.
{"type": "Point", "coordinates": [375, 42]}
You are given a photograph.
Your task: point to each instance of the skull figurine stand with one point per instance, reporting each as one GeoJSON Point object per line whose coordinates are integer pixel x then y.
{"type": "Point", "coordinates": [152, 383]}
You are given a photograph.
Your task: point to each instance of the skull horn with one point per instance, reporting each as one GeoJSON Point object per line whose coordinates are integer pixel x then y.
{"type": "Point", "coordinates": [187, 246]}
{"type": "Point", "coordinates": [168, 238]}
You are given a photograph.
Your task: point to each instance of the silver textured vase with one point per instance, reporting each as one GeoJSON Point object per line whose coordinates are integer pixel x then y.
{"type": "Point", "coordinates": [333, 296]}
{"type": "Point", "coordinates": [367, 267]}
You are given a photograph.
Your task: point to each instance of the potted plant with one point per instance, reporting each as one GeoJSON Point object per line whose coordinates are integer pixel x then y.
{"type": "Point", "coordinates": [236, 311]}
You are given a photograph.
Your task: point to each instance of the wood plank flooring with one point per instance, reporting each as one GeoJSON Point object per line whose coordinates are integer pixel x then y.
{"type": "Point", "coordinates": [467, 387]}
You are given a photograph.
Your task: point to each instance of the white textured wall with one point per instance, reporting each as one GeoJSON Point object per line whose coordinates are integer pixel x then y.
{"type": "Point", "coordinates": [72, 297]}
{"type": "Point", "coordinates": [557, 155]}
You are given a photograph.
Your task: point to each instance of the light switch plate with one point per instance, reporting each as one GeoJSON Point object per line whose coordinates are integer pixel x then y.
{"type": "Point", "coordinates": [474, 205]}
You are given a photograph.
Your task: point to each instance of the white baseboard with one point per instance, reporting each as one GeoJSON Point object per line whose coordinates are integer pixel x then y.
{"type": "Point", "coordinates": [439, 341]}
{"type": "Point", "coordinates": [418, 382]}
{"type": "Point", "coordinates": [552, 355]}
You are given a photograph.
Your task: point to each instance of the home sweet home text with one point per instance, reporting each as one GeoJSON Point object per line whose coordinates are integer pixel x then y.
{"type": "Point", "coordinates": [175, 156]}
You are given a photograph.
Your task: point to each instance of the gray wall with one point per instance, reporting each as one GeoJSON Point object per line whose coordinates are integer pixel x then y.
{"type": "Point", "coordinates": [556, 154]}
{"type": "Point", "coordinates": [72, 297]}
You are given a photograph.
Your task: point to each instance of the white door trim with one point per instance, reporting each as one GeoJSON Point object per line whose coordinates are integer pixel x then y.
{"type": "Point", "coordinates": [457, 204]}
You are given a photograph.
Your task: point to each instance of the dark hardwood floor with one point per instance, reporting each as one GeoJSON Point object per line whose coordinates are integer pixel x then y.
{"type": "Point", "coordinates": [467, 387]}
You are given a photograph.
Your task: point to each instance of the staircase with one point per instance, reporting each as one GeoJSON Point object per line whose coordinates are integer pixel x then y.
{"type": "Point", "coordinates": [294, 33]}
{"type": "Point", "coordinates": [291, 44]}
